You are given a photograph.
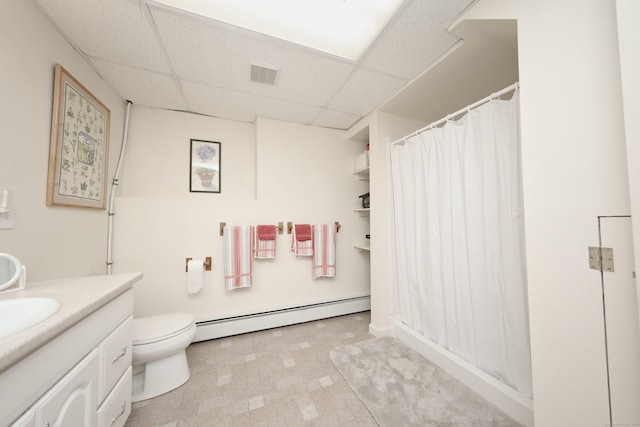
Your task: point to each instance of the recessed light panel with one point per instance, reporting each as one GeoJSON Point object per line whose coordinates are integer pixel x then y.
{"type": "Point", "coordinates": [343, 28]}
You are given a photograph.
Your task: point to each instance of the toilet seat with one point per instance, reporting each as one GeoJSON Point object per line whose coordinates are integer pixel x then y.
{"type": "Point", "coordinates": [148, 330]}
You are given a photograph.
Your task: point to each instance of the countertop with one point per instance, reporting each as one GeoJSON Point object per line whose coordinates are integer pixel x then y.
{"type": "Point", "coordinates": [78, 298]}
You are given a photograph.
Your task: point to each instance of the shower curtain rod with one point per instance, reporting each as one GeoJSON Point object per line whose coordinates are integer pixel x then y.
{"type": "Point", "coordinates": [449, 117]}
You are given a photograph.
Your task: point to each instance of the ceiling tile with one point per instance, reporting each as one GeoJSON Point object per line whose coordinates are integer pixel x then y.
{"type": "Point", "coordinates": [142, 87]}
{"type": "Point", "coordinates": [114, 30]}
{"type": "Point", "coordinates": [417, 38]}
{"type": "Point", "coordinates": [365, 91]}
{"type": "Point", "coordinates": [245, 107]}
{"type": "Point", "coordinates": [217, 56]}
{"type": "Point", "coordinates": [335, 119]}
{"type": "Point", "coordinates": [303, 77]}
{"type": "Point", "coordinates": [198, 52]}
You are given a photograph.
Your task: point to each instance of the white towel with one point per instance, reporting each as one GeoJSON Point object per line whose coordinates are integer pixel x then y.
{"type": "Point", "coordinates": [324, 251]}
{"type": "Point", "coordinates": [238, 260]}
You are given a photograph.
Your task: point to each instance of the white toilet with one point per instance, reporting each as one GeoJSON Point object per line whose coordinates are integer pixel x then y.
{"type": "Point", "coordinates": [159, 357]}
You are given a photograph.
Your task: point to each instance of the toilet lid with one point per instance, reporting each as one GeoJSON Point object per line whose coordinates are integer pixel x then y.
{"type": "Point", "coordinates": [155, 328]}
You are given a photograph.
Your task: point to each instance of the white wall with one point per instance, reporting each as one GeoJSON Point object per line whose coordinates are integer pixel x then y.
{"type": "Point", "coordinates": [53, 242]}
{"type": "Point", "coordinates": [574, 169]}
{"type": "Point", "coordinates": [271, 171]}
{"type": "Point", "coordinates": [628, 15]}
{"type": "Point", "coordinates": [384, 129]}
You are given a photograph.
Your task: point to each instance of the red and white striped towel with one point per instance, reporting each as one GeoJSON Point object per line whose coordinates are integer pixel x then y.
{"type": "Point", "coordinates": [265, 245]}
{"type": "Point", "coordinates": [299, 246]}
{"type": "Point", "coordinates": [238, 260]}
{"type": "Point", "coordinates": [324, 251]}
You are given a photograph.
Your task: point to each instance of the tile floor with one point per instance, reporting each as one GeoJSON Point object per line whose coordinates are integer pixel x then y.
{"type": "Point", "coordinates": [278, 377]}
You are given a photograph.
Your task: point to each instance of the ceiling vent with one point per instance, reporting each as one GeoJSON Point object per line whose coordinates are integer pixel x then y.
{"type": "Point", "coordinates": [264, 73]}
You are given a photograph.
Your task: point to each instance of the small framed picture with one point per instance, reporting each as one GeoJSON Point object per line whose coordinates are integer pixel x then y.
{"type": "Point", "coordinates": [79, 145]}
{"type": "Point", "coordinates": [204, 166]}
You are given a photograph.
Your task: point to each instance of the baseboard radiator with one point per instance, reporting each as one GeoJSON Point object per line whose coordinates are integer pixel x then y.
{"type": "Point", "coordinates": [511, 402]}
{"type": "Point", "coordinates": [219, 328]}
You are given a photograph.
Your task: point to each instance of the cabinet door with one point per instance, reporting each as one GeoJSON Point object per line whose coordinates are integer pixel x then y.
{"type": "Point", "coordinates": [73, 400]}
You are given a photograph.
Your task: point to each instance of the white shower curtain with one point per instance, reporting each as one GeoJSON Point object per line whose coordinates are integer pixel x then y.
{"type": "Point", "coordinates": [459, 240]}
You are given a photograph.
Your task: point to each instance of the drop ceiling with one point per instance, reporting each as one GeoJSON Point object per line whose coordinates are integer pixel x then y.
{"type": "Point", "coordinates": [160, 57]}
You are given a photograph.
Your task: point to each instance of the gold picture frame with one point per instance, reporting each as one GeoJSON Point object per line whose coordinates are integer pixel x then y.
{"type": "Point", "coordinates": [79, 150]}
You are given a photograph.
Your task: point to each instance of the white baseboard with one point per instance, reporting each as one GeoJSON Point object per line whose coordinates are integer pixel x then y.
{"type": "Point", "coordinates": [377, 332]}
{"type": "Point", "coordinates": [213, 329]}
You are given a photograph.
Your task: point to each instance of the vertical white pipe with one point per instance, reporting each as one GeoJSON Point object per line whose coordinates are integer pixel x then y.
{"type": "Point", "coordinates": [114, 183]}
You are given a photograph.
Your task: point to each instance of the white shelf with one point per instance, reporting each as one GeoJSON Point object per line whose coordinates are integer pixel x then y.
{"type": "Point", "coordinates": [362, 174]}
{"type": "Point", "coordinates": [360, 134]}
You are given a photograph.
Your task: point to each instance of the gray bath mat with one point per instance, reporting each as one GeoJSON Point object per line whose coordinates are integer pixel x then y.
{"type": "Point", "coordinates": [402, 388]}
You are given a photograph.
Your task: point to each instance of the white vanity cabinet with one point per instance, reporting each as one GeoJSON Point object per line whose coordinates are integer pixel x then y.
{"type": "Point", "coordinates": [81, 378]}
{"type": "Point", "coordinates": [90, 385]}
{"type": "Point", "coordinates": [74, 399]}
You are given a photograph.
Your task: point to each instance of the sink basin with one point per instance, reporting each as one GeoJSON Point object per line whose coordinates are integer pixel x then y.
{"type": "Point", "coordinates": [18, 314]}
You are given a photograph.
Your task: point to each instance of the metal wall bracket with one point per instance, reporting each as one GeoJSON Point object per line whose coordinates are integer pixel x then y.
{"type": "Point", "coordinates": [601, 259]}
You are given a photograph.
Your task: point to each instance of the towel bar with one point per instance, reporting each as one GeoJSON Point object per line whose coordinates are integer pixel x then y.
{"type": "Point", "coordinates": [280, 228]}
{"type": "Point", "coordinates": [290, 227]}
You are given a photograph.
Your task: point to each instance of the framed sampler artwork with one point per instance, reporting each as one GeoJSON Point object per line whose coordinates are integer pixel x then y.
{"type": "Point", "coordinates": [79, 148]}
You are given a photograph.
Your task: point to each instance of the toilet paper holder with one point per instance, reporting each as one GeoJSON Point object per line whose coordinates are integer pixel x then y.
{"type": "Point", "coordinates": [207, 264]}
